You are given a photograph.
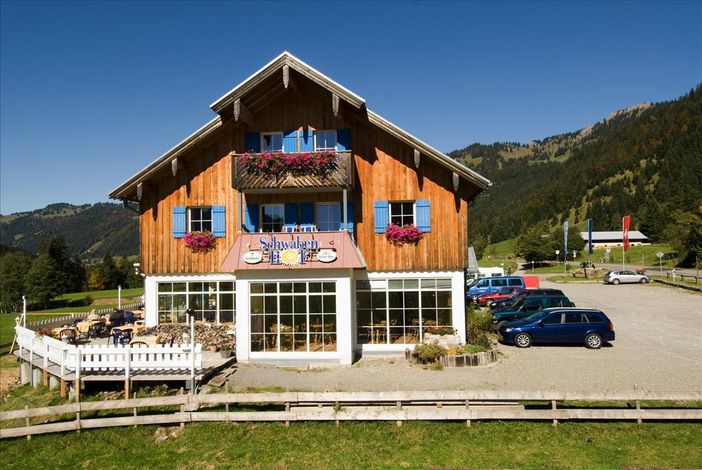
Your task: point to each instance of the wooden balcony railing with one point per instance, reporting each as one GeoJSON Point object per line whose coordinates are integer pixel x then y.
{"type": "Point", "coordinates": [340, 177]}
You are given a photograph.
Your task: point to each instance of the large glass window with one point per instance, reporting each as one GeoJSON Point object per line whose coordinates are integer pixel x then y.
{"type": "Point", "coordinates": [398, 311]}
{"type": "Point", "coordinates": [211, 301]}
{"type": "Point", "coordinates": [402, 213]}
{"type": "Point", "coordinates": [272, 142]}
{"type": "Point", "coordinates": [293, 316]}
{"type": "Point", "coordinates": [328, 216]}
{"type": "Point", "coordinates": [325, 140]}
{"type": "Point", "coordinates": [272, 217]}
{"type": "Point", "coordinates": [199, 219]}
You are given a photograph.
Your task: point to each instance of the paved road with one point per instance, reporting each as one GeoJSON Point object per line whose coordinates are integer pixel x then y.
{"type": "Point", "coordinates": [658, 348]}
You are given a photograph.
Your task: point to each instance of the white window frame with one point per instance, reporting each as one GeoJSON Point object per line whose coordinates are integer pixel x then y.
{"type": "Point", "coordinates": [282, 142]}
{"type": "Point", "coordinates": [321, 149]}
{"type": "Point", "coordinates": [383, 286]}
{"type": "Point", "coordinates": [190, 218]}
{"type": "Point", "coordinates": [187, 292]}
{"type": "Point", "coordinates": [414, 211]}
{"type": "Point", "coordinates": [260, 215]}
{"type": "Point", "coordinates": [309, 333]}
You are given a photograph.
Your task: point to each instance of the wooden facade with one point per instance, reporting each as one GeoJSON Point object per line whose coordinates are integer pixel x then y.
{"type": "Point", "coordinates": [383, 168]}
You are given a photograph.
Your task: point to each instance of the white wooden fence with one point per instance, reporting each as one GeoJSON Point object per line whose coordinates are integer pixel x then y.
{"type": "Point", "coordinates": [452, 405]}
{"type": "Point", "coordinates": [88, 358]}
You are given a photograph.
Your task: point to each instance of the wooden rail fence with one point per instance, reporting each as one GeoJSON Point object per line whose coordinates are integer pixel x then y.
{"type": "Point", "coordinates": [356, 406]}
{"type": "Point", "coordinates": [71, 317]}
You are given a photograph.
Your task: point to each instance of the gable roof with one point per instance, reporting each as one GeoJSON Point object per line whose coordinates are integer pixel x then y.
{"type": "Point", "coordinates": [286, 59]}
{"type": "Point", "coordinates": [614, 235]}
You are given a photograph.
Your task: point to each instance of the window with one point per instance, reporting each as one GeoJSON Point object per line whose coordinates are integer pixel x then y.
{"type": "Point", "coordinates": [499, 282]}
{"type": "Point", "coordinates": [211, 301]}
{"type": "Point", "coordinates": [199, 219]}
{"type": "Point", "coordinates": [594, 318]}
{"type": "Point", "coordinates": [515, 282]}
{"type": "Point", "coordinates": [272, 217]}
{"type": "Point", "coordinates": [573, 317]}
{"type": "Point", "coordinates": [402, 213]}
{"type": "Point", "coordinates": [553, 319]}
{"type": "Point", "coordinates": [272, 142]}
{"type": "Point", "coordinates": [398, 311]}
{"type": "Point", "coordinates": [325, 140]}
{"type": "Point", "coordinates": [328, 216]}
{"type": "Point", "coordinates": [484, 283]}
{"type": "Point", "coordinates": [293, 316]}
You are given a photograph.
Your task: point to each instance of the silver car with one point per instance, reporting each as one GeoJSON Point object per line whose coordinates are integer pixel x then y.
{"type": "Point", "coordinates": [625, 277]}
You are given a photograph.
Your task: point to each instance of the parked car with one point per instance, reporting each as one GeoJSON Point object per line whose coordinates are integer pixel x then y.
{"type": "Point", "coordinates": [560, 325]}
{"type": "Point", "coordinates": [625, 277]}
{"type": "Point", "coordinates": [530, 305]}
{"type": "Point", "coordinates": [488, 285]}
{"type": "Point", "coordinates": [510, 302]}
{"type": "Point", "coordinates": [502, 293]}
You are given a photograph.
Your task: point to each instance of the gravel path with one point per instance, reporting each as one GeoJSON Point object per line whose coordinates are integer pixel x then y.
{"type": "Point", "coordinates": [658, 348]}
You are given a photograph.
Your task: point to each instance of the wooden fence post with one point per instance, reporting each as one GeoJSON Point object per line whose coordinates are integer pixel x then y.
{"type": "Point", "coordinates": [26, 422]}
{"type": "Point", "coordinates": [638, 408]}
{"type": "Point", "coordinates": [64, 356]}
{"type": "Point", "coordinates": [127, 372]}
{"type": "Point", "coordinates": [468, 408]}
{"type": "Point", "coordinates": [553, 407]}
{"type": "Point", "coordinates": [45, 373]}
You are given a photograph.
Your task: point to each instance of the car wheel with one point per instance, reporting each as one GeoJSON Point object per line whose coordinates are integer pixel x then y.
{"type": "Point", "coordinates": [593, 341]}
{"type": "Point", "coordinates": [522, 340]}
{"type": "Point", "coordinates": [615, 281]}
{"type": "Point", "coordinates": [643, 280]}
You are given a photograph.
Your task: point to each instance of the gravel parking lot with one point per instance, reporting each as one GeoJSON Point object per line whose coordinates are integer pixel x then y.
{"type": "Point", "coordinates": [658, 347]}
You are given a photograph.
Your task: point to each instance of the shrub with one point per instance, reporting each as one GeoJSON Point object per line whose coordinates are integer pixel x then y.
{"type": "Point", "coordinates": [479, 327]}
{"type": "Point", "coordinates": [441, 330]}
{"type": "Point", "coordinates": [429, 352]}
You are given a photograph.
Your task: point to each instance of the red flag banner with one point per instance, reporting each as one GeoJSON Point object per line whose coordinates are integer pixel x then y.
{"type": "Point", "coordinates": [626, 220]}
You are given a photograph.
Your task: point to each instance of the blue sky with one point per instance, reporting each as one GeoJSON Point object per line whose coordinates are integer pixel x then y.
{"type": "Point", "coordinates": [91, 92]}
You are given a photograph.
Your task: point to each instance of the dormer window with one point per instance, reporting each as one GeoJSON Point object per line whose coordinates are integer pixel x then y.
{"type": "Point", "coordinates": [272, 141]}
{"type": "Point", "coordinates": [324, 140]}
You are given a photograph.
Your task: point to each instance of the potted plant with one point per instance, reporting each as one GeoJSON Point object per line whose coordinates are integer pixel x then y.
{"type": "Point", "coordinates": [212, 347]}
{"type": "Point", "coordinates": [226, 351]}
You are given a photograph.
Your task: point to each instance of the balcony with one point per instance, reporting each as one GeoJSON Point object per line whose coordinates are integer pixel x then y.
{"type": "Point", "coordinates": [282, 172]}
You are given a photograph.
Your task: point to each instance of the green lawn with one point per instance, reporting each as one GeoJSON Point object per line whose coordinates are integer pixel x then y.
{"type": "Point", "coordinates": [368, 445]}
{"type": "Point", "coordinates": [103, 294]}
{"type": "Point", "coordinates": [505, 249]}
{"type": "Point", "coordinates": [7, 327]}
{"type": "Point", "coordinates": [100, 299]}
{"type": "Point", "coordinates": [642, 255]}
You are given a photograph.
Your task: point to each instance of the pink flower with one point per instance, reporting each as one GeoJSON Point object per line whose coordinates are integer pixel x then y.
{"type": "Point", "coordinates": [200, 242]}
{"type": "Point", "coordinates": [400, 235]}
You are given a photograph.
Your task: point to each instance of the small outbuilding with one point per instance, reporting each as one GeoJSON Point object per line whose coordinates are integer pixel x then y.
{"type": "Point", "coordinates": [603, 240]}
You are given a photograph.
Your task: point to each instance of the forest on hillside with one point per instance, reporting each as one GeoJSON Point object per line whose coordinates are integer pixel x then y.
{"type": "Point", "coordinates": [646, 163]}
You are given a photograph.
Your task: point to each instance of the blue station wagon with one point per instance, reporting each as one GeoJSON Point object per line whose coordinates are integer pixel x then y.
{"type": "Point", "coordinates": [559, 325]}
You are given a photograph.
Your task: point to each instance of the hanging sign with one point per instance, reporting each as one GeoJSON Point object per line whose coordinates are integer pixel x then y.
{"type": "Point", "coordinates": [326, 255]}
{"type": "Point", "coordinates": [252, 257]}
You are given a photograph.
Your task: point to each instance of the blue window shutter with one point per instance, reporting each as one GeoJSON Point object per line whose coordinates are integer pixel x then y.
{"type": "Point", "coordinates": [382, 216]}
{"type": "Point", "coordinates": [290, 141]}
{"type": "Point", "coordinates": [423, 215]}
{"type": "Point", "coordinates": [349, 217]}
{"type": "Point", "coordinates": [178, 222]}
{"type": "Point", "coordinates": [291, 213]}
{"type": "Point", "coordinates": [219, 226]}
{"type": "Point", "coordinates": [253, 142]}
{"type": "Point", "coordinates": [343, 141]}
{"type": "Point", "coordinates": [251, 217]}
{"type": "Point", "coordinates": [307, 213]}
{"type": "Point", "coordinates": [306, 140]}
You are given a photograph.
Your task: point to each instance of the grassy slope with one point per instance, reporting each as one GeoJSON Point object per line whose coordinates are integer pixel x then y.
{"type": "Point", "coordinates": [368, 445]}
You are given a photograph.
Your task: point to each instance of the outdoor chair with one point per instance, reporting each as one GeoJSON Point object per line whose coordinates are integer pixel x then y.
{"type": "Point", "coordinates": [289, 228]}
{"type": "Point", "coordinates": [308, 228]}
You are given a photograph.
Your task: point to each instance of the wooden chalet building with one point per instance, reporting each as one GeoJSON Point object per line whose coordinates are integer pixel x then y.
{"type": "Point", "coordinates": [298, 182]}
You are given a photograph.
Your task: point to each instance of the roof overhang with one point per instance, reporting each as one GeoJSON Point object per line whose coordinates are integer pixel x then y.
{"type": "Point", "coordinates": [128, 190]}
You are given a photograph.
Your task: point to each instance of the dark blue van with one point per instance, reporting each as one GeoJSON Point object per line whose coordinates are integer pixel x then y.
{"type": "Point", "coordinates": [488, 285]}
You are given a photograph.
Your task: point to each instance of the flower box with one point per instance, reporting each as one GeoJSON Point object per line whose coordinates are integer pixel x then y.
{"type": "Point", "coordinates": [400, 235]}
{"type": "Point", "coordinates": [278, 164]}
{"type": "Point", "coordinates": [200, 242]}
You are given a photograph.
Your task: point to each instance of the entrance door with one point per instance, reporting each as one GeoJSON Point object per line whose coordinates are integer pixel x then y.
{"type": "Point", "coordinates": [328, 216]}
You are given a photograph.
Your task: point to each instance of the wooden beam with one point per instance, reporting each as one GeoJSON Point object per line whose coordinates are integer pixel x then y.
{"type": "Point", "coordinates": [335, 104]}
{"type": "Point", "coordinates": [456, 180]}
{"type": "Point", "coordinates": [417, 158]}
{"type": "Point", "coordinates": [140, 190]}
{"type": "Point", "coordinates": [286, 75]}
{"type": "Point", "coordinates": [243, 113]}
{"type": "Point", "coordinates": [174, 166]}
